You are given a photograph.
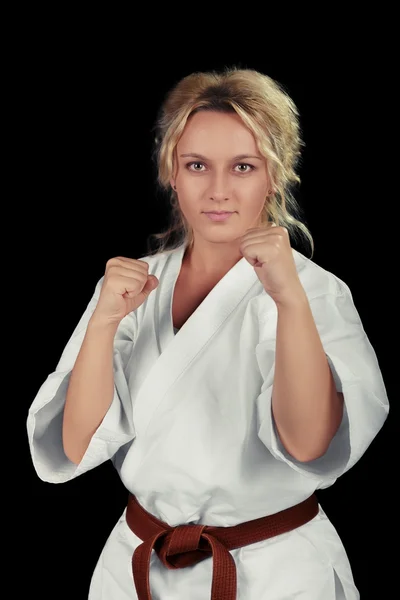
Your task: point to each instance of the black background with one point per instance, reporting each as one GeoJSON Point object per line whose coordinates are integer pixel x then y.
{"type": "Point", "coordinates": [86, 96]}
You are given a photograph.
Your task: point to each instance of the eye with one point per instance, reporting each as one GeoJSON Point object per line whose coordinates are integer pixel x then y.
{"type": "Point", "coordinates": [245, 168]}
{"type": "Point", "coordinates": [195, 166]}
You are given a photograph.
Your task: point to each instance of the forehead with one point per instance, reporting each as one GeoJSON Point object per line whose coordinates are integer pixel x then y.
{"type": "Point", "coordinates": [215, 133]}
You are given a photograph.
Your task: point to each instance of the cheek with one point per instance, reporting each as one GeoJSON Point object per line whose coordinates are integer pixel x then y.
{"type": "Point", "coordinates": [189, 198]}
{"type": "Point", "coordinates": [191, 183]}
{"type": "Point", "coordinates": [190, 192]}
{"type": "Point", "coordinates": [255, 192]}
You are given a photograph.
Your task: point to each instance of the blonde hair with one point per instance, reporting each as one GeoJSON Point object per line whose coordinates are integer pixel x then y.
{"type": "Point", "coordinates": [271, 115]}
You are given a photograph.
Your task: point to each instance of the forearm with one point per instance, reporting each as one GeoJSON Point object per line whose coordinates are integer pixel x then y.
{"type": "Point", "coordinates": [306, 406]}
{"type": "Point", "coordinates": [90, 390]}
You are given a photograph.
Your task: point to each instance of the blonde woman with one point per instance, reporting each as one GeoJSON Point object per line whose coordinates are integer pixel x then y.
{"type": "Point", "coordinates": [226, 375]}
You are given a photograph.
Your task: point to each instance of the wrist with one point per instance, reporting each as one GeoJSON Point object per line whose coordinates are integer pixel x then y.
{"type": "Point", "coordinates": [296, 301]}
{"type": "Point", "coordinates": [101, 324]}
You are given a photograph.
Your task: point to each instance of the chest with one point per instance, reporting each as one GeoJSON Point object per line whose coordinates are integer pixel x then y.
{"type": "Point", "coordinates": [187, 297]}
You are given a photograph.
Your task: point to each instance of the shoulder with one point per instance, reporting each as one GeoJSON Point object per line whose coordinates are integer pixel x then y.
{"type": "Point", "coordinates": [316, 280]}
{"type": "Point", "coordinates": [160, 261]}
{"type": "Point", "coordinates": [317, 283]}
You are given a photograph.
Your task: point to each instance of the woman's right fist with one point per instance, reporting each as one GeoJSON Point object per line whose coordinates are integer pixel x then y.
{"type": "Point", "coordinates": [125, 287]}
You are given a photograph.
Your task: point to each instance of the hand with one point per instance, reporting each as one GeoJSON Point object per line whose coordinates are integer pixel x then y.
{"type": "Point", "coordinates": [270, 253]}
{"type": "Point", "coordinates": [125, 287]}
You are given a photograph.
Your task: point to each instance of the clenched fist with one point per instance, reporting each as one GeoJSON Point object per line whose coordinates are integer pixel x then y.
{"type": "Point", "coordinates": [126, 286]}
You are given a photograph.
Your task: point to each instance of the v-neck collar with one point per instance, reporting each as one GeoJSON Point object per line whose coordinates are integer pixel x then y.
{"type": "Point", "coordinates": [240, 269]}
{"type": "Point", "coordinates": [177, 351]}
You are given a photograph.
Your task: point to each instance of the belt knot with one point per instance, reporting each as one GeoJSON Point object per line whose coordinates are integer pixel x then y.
{"type": "Point", "coordinates": [182, 545]}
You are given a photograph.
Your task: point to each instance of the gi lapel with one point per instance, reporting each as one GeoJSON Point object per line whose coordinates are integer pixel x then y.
{"type": "Point", "coordinates": [178, 351]}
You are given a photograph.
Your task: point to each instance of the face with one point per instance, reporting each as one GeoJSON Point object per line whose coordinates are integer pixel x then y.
{"type": "Point", "coordinates": [219, 168]}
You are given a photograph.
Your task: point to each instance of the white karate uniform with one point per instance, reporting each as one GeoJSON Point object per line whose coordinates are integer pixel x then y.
{"type": "Point", "coordinates": [191, 433]}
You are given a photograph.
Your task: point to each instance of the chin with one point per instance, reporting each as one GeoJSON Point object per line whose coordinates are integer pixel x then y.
{"type": "Point", "coordinates": [221, 237]}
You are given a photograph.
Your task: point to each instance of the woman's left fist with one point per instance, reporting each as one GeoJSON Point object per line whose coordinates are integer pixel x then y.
{"type": "Point", "coordinates": [270, 253]}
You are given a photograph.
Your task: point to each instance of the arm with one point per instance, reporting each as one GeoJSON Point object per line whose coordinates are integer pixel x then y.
{"type": "Point", "coordinates": [306, 406]}
{"type": "Point", "coordinates": [90, 390]}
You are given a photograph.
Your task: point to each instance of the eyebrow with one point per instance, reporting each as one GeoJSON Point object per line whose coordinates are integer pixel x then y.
{"type": "Point", "coordinates": [239, 157]}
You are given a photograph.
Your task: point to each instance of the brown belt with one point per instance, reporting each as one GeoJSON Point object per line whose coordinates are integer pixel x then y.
{"type": "Point", "coordinates": [186, 545]}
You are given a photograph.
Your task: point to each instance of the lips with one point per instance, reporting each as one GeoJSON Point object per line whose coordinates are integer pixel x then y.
{"type": "Point", "coordinates": [218, 216]}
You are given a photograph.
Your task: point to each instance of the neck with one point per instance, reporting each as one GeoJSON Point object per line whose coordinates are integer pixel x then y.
{"type": "Point", "coordinates": [211, 259]}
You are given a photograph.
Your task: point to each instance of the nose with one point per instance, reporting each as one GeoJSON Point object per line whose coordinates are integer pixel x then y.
{"type": "Point", "coordinates": [219, 188]}
{"type": "Point", "coordinates": [219, 197]}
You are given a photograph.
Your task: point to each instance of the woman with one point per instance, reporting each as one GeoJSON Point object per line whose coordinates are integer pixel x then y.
{"type": "Point", "coordinates": [227, 376]}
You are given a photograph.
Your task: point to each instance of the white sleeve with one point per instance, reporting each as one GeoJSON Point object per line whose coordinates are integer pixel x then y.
{"type": "Point", "coordinates": [44, 423]}
{"type": "Point", "coordinates": [357, 375]}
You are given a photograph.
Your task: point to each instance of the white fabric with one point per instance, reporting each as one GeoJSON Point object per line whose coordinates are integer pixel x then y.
{"type": "Point", "coordinates": [191, 433]}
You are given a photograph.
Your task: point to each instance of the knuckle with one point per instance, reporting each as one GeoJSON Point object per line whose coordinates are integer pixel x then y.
{"type": "Point", "coordinates": [113, 262]}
